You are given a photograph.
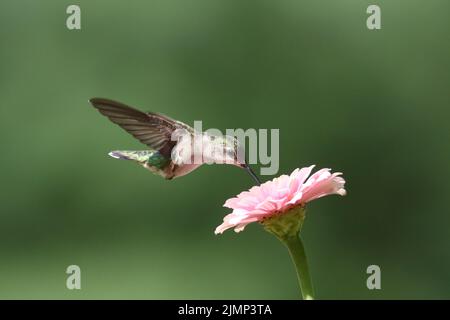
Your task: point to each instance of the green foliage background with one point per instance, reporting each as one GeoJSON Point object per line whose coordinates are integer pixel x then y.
{"type": "Point", "coordinates": [372, 104]}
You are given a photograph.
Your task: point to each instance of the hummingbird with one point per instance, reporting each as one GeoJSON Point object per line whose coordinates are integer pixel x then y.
{"type": "Point", "coordinates": [171, 145]}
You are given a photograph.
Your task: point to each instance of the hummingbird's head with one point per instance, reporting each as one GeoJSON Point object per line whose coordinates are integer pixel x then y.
{"type": "Point", "coordinates": [225, 149]}
{"type": "Point", "coordinates": [222, 149]}
{"type": "Point", "coordinates": [235, 154]}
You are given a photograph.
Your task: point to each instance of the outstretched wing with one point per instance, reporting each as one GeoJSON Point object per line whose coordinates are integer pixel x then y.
{"type": "Point", "coordinates": [154, 130]}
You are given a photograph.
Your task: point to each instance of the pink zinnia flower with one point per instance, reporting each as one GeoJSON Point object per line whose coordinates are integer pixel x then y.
{"type": "Point", "coordinates": [279, 195]}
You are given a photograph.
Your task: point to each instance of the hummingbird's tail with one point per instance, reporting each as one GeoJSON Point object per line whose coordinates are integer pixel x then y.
{"type": "Point", "coordinates": [150, 159]}
{"type": "Point", "coordinates": [139, 156]}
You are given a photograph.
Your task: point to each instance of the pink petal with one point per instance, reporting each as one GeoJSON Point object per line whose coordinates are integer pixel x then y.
{"type": "Point", "coordinates": [330, 185]}
{"type": "Point", "coordinates": [280, 194]}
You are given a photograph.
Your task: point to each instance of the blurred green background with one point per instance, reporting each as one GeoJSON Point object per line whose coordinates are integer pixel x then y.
{"type": "Point", "coordinates": [372, 104]}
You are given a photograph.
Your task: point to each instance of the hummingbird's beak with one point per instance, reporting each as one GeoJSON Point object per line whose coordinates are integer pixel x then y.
{"type": "Point", "coordinates": [250, 171]}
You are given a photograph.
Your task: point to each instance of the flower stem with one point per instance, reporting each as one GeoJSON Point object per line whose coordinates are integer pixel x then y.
{"type": "Point", "coordinates": [297, 252]}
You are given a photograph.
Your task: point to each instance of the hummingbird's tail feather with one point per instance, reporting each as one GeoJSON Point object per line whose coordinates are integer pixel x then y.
{"type": "Point", "coordinates": [152, 160]}
{"type": "Point", "coordinates": [139, 156]}
{"type": "Point", "coordinates": [118, 155]}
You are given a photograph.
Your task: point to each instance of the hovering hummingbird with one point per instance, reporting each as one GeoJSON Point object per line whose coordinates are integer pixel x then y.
{"type": "Point", "coordinates": [173, 145]}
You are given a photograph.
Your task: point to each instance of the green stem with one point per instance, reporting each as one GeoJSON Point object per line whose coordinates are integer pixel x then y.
{"type": "Point", "coordinates": [297, 252]}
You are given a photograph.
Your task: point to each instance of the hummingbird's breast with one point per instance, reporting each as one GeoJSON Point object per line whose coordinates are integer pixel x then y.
{"type": "Point", "coordinates": [188, 150]}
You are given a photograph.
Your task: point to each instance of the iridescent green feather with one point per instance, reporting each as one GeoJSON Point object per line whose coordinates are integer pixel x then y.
{"type": "Point", "coordinates": [157, 160]}
{"type": "Point", "coordinates": [150, 157]}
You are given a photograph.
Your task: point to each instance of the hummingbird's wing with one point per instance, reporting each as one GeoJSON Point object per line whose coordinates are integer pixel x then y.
{"type": "Point", "coordinates": [153, 129]}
